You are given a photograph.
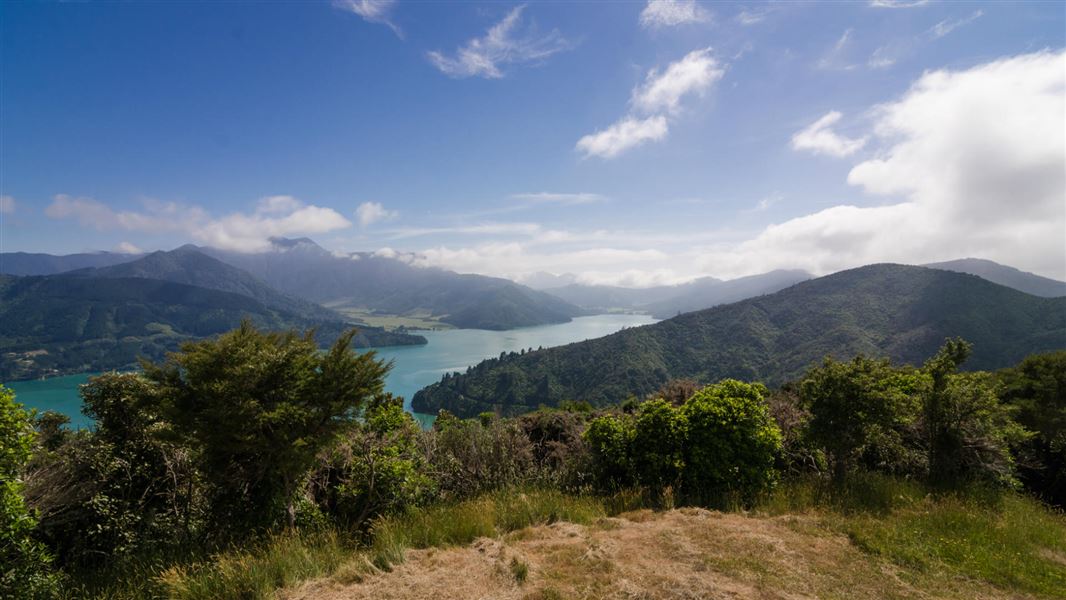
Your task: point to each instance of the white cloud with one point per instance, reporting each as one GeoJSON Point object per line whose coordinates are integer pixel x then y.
{"type": "Point", "coordinates": [557, 198]}
{"type": "Point", "coordinates": [970, 154]}
{"type": "Point", "coordinates": [128, 248]}
{"type": "Point", "coordinates": [898, 3]}
{"type": "Point", "coordinates": [753, 16]}
{"type": "Point", "coordinates": [486, 56]}
{"type": "Point", "coordinates": [274, 216]}
{"type": "Point", "coordinates": [657, 98]}
{"type": "Point", "coordinates": [372, 11]}
{"type": "Point", "coordinates": [7, 205]}
{"type": "Point", "coordinates": [947, 26]}
{"type": "Point", "coordinates": [819, 138]}
{"type": "Point", "coordinates": [369, 213]}
{"type": "Point", "coordinates": [670, 13]}
{"type": "Point", "coordinates": [479, 229]}
{"type": "Point", "coordinates": [628, 133]}
{"type": "Point", "coordinates": [693, 74]}
{"type": "Point", "coordinates": [968, 163]}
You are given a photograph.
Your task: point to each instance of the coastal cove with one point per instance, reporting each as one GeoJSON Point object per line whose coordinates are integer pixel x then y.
{"type": "Point", "coordinates": [413, 367]}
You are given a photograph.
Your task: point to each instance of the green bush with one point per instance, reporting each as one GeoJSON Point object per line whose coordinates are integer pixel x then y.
{"type": "Point", "coordinates": [376, 468]}
{"type": "Point", "coordinates": [719, 446]}
{"type": "Point", "coordinates": [731, 442]}
{"type": "Point", "coordinates": [24, 563]}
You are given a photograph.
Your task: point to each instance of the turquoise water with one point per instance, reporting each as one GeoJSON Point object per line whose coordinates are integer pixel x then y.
{"type": "Point", "coordinates": [414, 367]}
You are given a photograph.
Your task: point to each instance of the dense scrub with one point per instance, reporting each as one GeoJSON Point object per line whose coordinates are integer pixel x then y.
{"type": "Point", "coordinates": [259, 442]}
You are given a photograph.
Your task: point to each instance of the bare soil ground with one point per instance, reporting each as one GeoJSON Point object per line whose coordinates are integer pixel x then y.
{"type": "Point", "coordinates": [688, 553]}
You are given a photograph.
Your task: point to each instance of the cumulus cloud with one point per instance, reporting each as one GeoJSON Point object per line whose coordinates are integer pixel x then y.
{"type": "Point", "coordinates": [502, 45]}
{"type": "Point", "coordinates": [369, 213]}
{"type": "Point", "coordinates": [557, 198]}
{"type": "Point", "coordinates": [948, 25]}
{"type": "Point", "coordinates": [967, 163]}
{"type": "Point", "coordinates": [819, 138]}
{"type": "Point", "coordinates": [693, 74]}
{"type": "Point", "coordinates": [651, 103]}
{"type": "Point", "coordinates": [970, 154]}
{"type": "Point", "coordinates": [245, 232]}
{"type": "Point", "coordinates": [372, 11]}
{"type": "Point", "coordinates": [7, 205]}
{"type": "Point", "coordinates": [628, 133]}
{"type": "Point", "coordinates": [670, 13]}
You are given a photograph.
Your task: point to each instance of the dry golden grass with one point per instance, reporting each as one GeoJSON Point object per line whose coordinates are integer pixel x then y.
{"type": "Point", "coordinates": [687, 553]}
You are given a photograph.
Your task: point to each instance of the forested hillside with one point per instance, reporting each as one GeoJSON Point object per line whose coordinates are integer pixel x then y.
{"type": "Point", "coordinates": [896, 311]}
{"type": "Point", "coordinates": [190, 266]}
{"type": "Point", "coordinates": [68, 323]}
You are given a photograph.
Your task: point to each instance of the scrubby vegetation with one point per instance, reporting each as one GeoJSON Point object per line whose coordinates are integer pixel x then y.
{"type": "Point", "coordinates": [254, 461]}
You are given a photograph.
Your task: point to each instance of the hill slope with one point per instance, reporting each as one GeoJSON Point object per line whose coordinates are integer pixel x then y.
{"type": "Point", "coordinates": [69, 323]}
{"type": "Point", "coordinates": [1004, 275]}
{"type": "Point", "coordinates": [898, 311]}
{"type": "Point", "coordinates": [26, 263]}
{"type": "Point", "coordinates": [391, 285]}
{"type": "Point", "coordinates": [190, 266]}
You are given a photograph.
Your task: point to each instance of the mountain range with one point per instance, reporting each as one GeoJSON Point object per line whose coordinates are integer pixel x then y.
{"type": "Point", "coordinates": [897, 311]}
{"type": "Point", "coordinates": [391, 285]}
{"type": "Point", "coordinates": [667, 301]}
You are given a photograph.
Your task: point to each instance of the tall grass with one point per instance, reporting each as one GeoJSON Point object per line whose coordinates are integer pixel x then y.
{"type": "Point", "coordinates": [463, 522]}
{"type": "Point", "coordinates": [257, 572]}
{"type": "Point", "coordinates": [1007, 539]}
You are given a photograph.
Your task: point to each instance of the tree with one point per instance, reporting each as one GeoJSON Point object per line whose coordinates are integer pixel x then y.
{"type": "Point", "coordinates": [1036, 390]}
{"type": "Point", "coordinates": [257, 408]}
{"type": "Point", "coordinates": [24, 563]}
{"type": "Point", "coordinates": [119, 490]}
{"type": "Point", "coordinates": [968, 431]}
{"type": "Point", "coordinates": [860, 407]}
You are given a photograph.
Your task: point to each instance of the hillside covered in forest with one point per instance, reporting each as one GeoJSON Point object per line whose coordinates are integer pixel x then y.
{"type": "Point", "coordinates": [896, 311]}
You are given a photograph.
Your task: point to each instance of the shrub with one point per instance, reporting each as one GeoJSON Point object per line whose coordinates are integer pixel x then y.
{"type": "Point", "coordinates": [862, 413]}
{"type": "Point", "coordinates": [376, 468]}
{"type": "Point", "coordinates": [258, 408]}
{"type": "Point", "coordinates": [24, 563]}
{"type": "Point", "coordinates": [731, 442]}
{"type": "Point", "coordinates": [467, 457]}
{"type": "Point", "coordinates": [115, 492]}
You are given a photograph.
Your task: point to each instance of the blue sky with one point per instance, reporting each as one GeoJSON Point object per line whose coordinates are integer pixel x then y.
{"type": "Point", "coordinates": [624, 142]}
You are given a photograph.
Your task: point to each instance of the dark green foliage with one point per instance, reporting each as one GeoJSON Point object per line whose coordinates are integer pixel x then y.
{"type": "Point", "coordinates": [377, 467]}
{"type": "Point", "coordinates": [467, 457]}
{"type": "Point", "coordinates": [1036, 390]}
{"type": "Point", "coordinates": [731, 443]}
{"type": "Point", "coordinates": [257, 408]}
{"type": "Point", "coordinates": [85, 323]}
{"type": "Point", "coordinates": [900, 312]}
{"type": "Point", "coordinates": [119, 491]}
{"type": "Point", "coordinates": [862, 413]}
{"type": "Point", "coordinates": [717, 447]}
{"type": "Point", "coordinates": [24, 563]}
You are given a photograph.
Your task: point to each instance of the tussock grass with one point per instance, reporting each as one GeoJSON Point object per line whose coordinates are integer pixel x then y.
{"type": "Point", "coordinates": [1007, 539]}
{"type": "Point", "coordinates": [257, 572]}
{"type": "Point", "coordinates": [464, 522]}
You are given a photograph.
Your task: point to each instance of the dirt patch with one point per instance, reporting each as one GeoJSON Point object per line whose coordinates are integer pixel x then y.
{"type": "Point", "coordinates": [677, 555]}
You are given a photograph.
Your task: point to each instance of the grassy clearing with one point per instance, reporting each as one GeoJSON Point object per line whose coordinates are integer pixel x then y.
{"type": "Point", "coordinates": [418, 320]}
{"type": "Point", "coordinates": [944, 546]}
{"type": "Point", "coordinates": [1010, 540]}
